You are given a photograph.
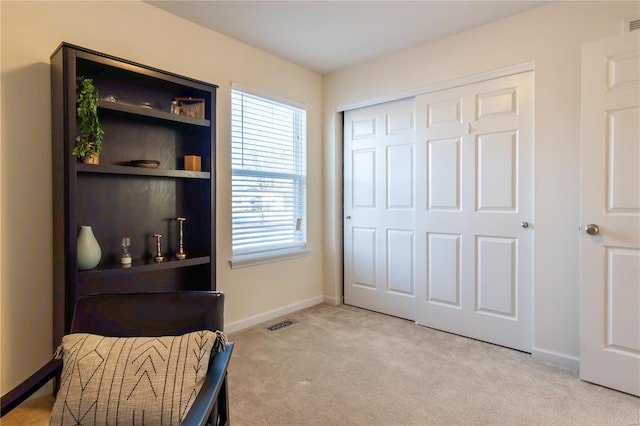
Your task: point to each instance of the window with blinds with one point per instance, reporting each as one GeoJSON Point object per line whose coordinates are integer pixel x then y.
{"type": "Point", "coordinates": [268, 146]}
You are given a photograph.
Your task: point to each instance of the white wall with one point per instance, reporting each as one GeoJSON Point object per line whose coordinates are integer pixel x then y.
{"type": "Point", "coordinates": [552, 36]}
{"type": "Point", "coordinates": [137, 31]}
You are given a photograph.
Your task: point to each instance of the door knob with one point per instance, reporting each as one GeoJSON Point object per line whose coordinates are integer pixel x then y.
{"type": "Point", "coordinates": [592, 229]}
{"type": "Point", "coordinates": [525, 224]}
{"type": "Point", "coordinates": [348, 217]}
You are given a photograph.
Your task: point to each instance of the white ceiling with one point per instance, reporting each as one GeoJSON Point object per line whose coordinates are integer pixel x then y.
{"type": "Point", "coordinates": [325, 36]}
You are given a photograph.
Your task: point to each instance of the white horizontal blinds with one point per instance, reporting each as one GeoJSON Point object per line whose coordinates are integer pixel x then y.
{"type": "Point", "coordinates": [268, 148]}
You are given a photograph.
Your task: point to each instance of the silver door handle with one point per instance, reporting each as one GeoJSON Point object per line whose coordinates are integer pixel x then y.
{"type": "Point", "coordinates": [524, 224]}
{"type": "Point", "coordinates": [592, 229]}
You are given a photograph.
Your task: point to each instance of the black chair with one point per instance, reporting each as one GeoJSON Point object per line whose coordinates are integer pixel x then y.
{"type": "Point", "coordinates": [149, 315]}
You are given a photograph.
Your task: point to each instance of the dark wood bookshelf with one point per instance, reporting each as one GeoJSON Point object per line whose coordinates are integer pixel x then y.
{"type": "Point", "coordinates": [138, 266]}
{"type": "Point", "coordinates": [141, 171]}
{"type": "Point", "coordinates": [120, 200]}
{"type": "Point", "coordinates": [151, 113]}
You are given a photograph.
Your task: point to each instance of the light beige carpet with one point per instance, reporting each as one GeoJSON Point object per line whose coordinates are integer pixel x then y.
{"type": "Point", "coordinates": [347, 366]}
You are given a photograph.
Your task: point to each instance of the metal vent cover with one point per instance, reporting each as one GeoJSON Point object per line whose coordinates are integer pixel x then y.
{"type": "Point", "coordinates": [279, 325]}
{"type": "Point", "coordinates": [631, 24]}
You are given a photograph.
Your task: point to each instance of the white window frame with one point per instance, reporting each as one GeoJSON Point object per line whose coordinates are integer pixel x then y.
{"type": "Point", "coordinates": [250, 257]}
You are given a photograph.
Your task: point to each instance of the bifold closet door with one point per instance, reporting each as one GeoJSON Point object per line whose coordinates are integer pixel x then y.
{"type": "Point", "coordinates": [379, 237]}
{"type": "Point", "coordinates": [474, 223]}
{"type": "Point", "coordinates": [438, 209]}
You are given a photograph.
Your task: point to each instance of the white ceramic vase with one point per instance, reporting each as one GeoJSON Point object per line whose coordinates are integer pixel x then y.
{"type": "Point", "coordinates": [89, 252]}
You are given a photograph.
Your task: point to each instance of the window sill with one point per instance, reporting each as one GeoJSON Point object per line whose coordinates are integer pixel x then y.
{"type": "Point", "coordinates": [252, 259]}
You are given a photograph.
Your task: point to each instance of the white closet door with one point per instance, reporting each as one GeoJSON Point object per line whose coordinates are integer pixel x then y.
{"type": "Point", "coordinates": [474, 210]}
{"type": "Point", "coordinates": [610, 199]}
{"type": "Point", "coordinates": [379, 237]}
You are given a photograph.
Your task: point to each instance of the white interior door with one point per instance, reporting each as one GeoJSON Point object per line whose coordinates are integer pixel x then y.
{"type": "Point", "coordinates": [610, 200]}
{"type": "Point", "coordinates": [474, 214]}
{"type": "Point", "coordinates": [379, 240]}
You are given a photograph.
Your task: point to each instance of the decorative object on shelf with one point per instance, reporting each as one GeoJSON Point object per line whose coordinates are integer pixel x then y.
{"type": "Point", "coordinates": [175, 109]}
{"type": "Point", "coordinates": [192, 163]}
{"type": "Point", "coordinates": [89, 142]}
{"type": "Point", "coordinates": [112, 99]}
{"type": "Point", "coordinates": [158, 257]}
{"type": "Point", "coordinates": [191, 107]}
{"type": "Point", "coordinates": [89, 252]}
{"type": "Point", "coordinates": [125, 259]}
{"type": "Point", "coordinates": [149, 164]}
{"type": "Point", "coordinates": [181, 255]}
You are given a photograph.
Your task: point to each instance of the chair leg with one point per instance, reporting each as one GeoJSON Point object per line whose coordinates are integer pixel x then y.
{"type": "Point", "coordinates": [223, 403]}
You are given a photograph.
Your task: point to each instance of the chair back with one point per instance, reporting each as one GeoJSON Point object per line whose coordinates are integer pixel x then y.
{"type": "Point", "coordinates": [148, 314]}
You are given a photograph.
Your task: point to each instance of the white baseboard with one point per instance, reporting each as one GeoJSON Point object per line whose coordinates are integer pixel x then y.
{"type": "Point", "coordinates": [333, 301]}
{"type": "Point", "coordinates": [285, 310]}
{"type": "Point", "coordinates": [558, 359]}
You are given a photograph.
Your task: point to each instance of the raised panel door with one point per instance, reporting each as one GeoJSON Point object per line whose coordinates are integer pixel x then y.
{"type": "Point", "coordinates": [610, 200]}
{"type": "Point", "coordinates": [379, 240]}
{"type": "Point", "coordinates": [471, 200]}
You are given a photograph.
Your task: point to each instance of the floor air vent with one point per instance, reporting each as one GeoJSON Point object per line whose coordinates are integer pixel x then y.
{"type": "Point", "coordinates": [280, 325]}
{"type": "Point", "coordinates": [632, 24]}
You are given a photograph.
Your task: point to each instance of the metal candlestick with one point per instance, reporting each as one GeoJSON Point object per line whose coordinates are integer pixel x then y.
{"type": "Point", "coordinates": [181, 255]}
{"type": "Point", "coordinates": [159, 257]}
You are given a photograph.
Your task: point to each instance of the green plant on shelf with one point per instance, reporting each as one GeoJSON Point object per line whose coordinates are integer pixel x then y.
{"type": "Point", "coordinates": [89, 142]}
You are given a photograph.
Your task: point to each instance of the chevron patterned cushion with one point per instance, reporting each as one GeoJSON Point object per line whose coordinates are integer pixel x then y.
{"type": "Point", "coordinates": [134, 380]}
